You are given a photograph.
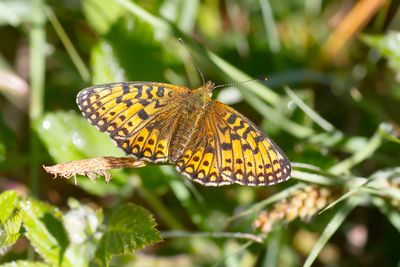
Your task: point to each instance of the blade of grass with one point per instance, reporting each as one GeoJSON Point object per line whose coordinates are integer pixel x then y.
{"type": "Point", "coordinates": [76, 59]}
{"type": "Point", "coordinates": [270, 26]}
{"type": "Point", "coordinates": [312, 178]}
{"type": "Point", "coordinates": [188, 15]}
{"type": "Point", "coordinates": [240, 249]}
{"type": "Point", "coordinates": [273, 244]}
{"type": "Point", "coordinates": [372, 145]}
{"type": "Point", "coordinates": [277, 118]}
{"type": "Point", "coordinates": [331, 228]}
{"type": "Point", "coordinates": [389, 133]}
{"type": "Point", "coordinates": [391, 213]}
{"type": "Point", "coordinates": [376, 184]}
{"type": "Point", "coordinates": [324, 124]}
{"type": "Point", "coordinates": [234, 74]}
{"type": "Point", "coordinates": [37, 40]}
{"type": "Point", "coordinates": [159, 24]}
{"type": "Point", "coordinates": [241, 42]}
{"type": "Point", "coordinates": [346, 195]}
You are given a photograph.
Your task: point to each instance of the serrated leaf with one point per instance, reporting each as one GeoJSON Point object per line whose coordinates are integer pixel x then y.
{"type": "Point", "coordinates": [130, 228]}
{"type": "Point", "coordinates": [7, 204]}
{"type": "Point", "coordinates": [44, 229]}
{"type": "Point", "coordinates": [24, 264]}
{"type": "Point", "coordinates": [9, 231]}
{"type": "Point", "coordinates": [10, 220]}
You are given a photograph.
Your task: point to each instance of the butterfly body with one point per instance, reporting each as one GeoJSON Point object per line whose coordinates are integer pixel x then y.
{"type": "Point", "coordinates": [206, 140]}
{"type": "Point", "coordinates": [194, 110]}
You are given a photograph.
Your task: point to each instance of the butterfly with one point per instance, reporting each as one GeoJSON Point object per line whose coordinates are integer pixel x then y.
{"type": "Point", "coordinates": [207, 141]}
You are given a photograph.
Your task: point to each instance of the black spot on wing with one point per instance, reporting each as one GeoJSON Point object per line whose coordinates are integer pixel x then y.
{"type": "Point", "coordinates": [139, 91]}
{"type": "Point", "coordinates": [246, 132]}
{"type": "Point", "coordinates": [226, 146]}
{"type": "Point", "coordinates": [148, 92]}
{"type": "Point", "coordinates": [128, 103]}
{"type": "Point", "coordinates": [125, 88]}
{"type": "Point", "coordinates": [144, 102]}
{"type": "Point", "coordinates": [160, 91]}
{"type": "Point", "coordinates": [232, 118]}
{"type": "Point", "coordinates": [238, 127]}
{"type": "Point", "coordinates": [143, 114]}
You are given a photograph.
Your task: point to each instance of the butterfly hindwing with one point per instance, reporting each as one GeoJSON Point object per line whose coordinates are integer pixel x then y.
{"type": "Point", "coordinates": [199, 160]}
{"type": "Point", "coordinates": [137, 115]}
{"type": "Point", "coordinates": [235, 150]}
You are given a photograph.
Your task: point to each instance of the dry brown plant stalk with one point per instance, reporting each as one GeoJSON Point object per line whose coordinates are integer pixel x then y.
{"type": "Point", "coordinates": [353, 22]}
{"type": "Point", "coordinates": [93, 167]}
{"type": "Point", "coordinates": [303, 204]}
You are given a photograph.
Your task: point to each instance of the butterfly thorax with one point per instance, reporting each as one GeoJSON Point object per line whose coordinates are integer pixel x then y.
{"type": "Point", "coordinates": [193, 112]}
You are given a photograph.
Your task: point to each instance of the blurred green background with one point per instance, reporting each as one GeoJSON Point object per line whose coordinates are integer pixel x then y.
{"type": "Point", "coordinates": [331, 102]}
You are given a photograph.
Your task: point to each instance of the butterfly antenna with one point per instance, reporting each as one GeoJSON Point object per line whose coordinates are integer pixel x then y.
{"type": "Point", "coordinates": [195, 62]}
{"type": "Point", "coordinates": [238, 83]}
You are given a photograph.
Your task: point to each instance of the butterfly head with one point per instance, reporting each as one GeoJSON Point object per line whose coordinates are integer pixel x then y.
{"type": "Point", "coordinates": [202, 95]}
{"type": "Point", "coordinates": [208, 87]}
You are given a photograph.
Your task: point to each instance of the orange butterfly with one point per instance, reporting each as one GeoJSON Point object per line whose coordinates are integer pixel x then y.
{"type": "Point", "coordinates": [208, 141]}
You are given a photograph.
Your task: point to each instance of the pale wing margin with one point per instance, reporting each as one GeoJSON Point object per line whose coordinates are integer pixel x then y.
{"type": "Point", "coordinates": [247, 155]}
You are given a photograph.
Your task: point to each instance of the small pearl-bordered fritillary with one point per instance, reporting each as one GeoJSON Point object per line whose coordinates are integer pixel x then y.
{"type": "Point", "coordinates": [208, 141]}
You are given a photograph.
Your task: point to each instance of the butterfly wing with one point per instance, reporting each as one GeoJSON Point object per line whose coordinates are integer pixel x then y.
{"type": "Point", "coordinates": [231, 149]}
{"type": "Point", "coordinates": [139, 116]}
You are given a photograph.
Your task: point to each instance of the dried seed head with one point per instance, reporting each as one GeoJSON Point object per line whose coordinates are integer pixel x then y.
{"type": "Point", "coordinates": [303, 204]}
{"type": "Point", "coordinates": [92, 168]}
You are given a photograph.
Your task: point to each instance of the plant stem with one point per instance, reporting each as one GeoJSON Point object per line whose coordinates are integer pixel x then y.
{"type": "Point", "coordinates": [37, 71]}
{"type": "Point", "coordinates": [74, 55]}
{"type": "Point", "coordinates": [247, 236]}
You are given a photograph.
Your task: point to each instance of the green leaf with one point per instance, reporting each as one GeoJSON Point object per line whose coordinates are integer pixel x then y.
{"type": "Point", "coordinates": [10, 220]}
{"type": "Point", "coordinates": [105, 65]}
{"type": "Point", "coordinates": [24, 264]}
{"type": "Point", "coordinates": [46, 232]}
{"type": "Point", "coordinates": [7, 204]}
{"type": "Point", "coordinates": [102, 14]}
{"type": "Point", "coordinates": [81, 223]}
{"type": "Point", "coordinates": [131, 227]}
{"type": "Point", "coordinates": [9, 231]}
{"type": "Point", "coordinates": [68, 136]}
{"type": "Point", "coordinates": [388, 45]}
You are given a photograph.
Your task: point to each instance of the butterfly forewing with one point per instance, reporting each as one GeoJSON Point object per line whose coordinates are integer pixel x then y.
{"type": "Point", "coordinates": [233, 150]}
{"type": "Point", "coordinates": [139, 116]}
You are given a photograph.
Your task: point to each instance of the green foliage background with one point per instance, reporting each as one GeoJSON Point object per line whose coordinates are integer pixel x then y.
{"type": "Point", "coordinates": [334, 113]}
